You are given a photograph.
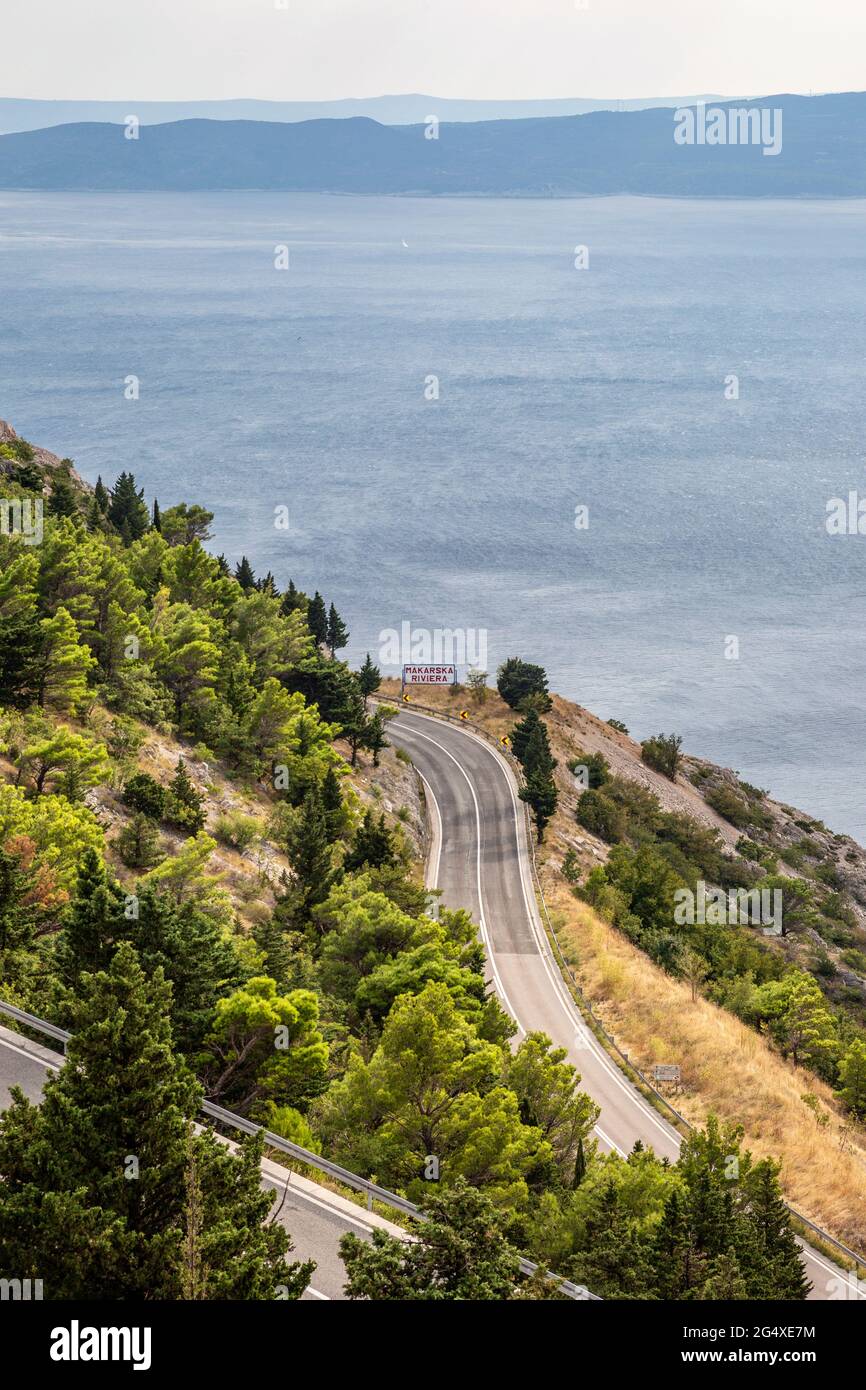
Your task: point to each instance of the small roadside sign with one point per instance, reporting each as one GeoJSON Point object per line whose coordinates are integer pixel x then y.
{"type": "Point", "coordinates": [464, 714]}
{"type": "Point", "coordinates": [505, 741]}
{"type": "Point", "coordinates": [666, 1071]}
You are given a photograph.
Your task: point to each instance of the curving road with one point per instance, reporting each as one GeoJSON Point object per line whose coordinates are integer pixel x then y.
{"type": "Point", "coordinates": [479, 858]}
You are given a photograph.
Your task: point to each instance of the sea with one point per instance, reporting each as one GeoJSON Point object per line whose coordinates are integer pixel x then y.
{"type": "Point", "coordinates": [604, 435]}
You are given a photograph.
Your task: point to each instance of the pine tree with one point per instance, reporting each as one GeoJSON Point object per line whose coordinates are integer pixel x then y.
{"type": "Point", "coordinates": [268, 586]}
{"type": "Point", "coordinates": [724, 1279]}
{"type": "Point", "coordinates": [293, 601]}
{"type": "Point", "coordinates": [64, 663]}
{"type": "Point", "coordinates": [138, 843]}
{"type": "Point", "coordinates": [184, 805]}
{"type": "Point", "coordinates": [537, 756]}
{"type": "Point", "coordinates": [94, 516]}
{"type": "Point", "coordinates": [369, 678]}
{"type": "Point", "coordinates": [95, 1180]}
{"type": "Point", "coordinates": [17, 906]}
{"type": "Point", "coordinates": [272, 940]}
{"type": "Point", "coordinates": [678, 1266]}
{"type": "Point", "coordinates": [245, 575]}
{"type": "Point", "coordinates": [373, 845]}
{"type": "Point", "coordinates": [200, 964]}
{"type": "Point", "coordinates": [100, 495]}
{"type": "Point", "coordinates": [777, 1271]}
{"type": "Point", "coordinates": [94, 922]}
{"type": "Point", "coordinates": [308, 849]}
{"type": "Point", "coordinates": [332, 805]}
{"type": "Point", "coordinates": [317, 619]}
{"type": "Point", "coordinates": [64, 499]}
{"type": "Point", "coordinates": [355, 724]}
{"type": "Point", "coordinates": [338, 633]}
{"type": "Point", "coordinates": [127, 511]}
{"type": "Point", "coordinates": [374, 736]}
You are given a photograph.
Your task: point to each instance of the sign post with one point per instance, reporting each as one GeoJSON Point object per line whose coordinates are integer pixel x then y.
{"type": "Point", "coordinates": [429, 675]}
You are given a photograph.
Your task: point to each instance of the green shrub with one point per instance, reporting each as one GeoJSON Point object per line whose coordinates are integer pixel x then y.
{"type": "Point", "coordinates": [238, 830]}
{"type": "Point", "coordinates": [662, 753]}
{"type": "Point", "coordinates": [143, 793]}
{"type": "Point", "coordinates": [597, 768]}
{"type": "Point", "coordinates": [601, 816]}
{"type": "Point", "coordinates": [726, 803]}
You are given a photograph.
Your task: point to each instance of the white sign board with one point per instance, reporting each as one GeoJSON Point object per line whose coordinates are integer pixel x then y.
{"type": "Point", "coordinates": [666, 1071]}
{"type": "Point", "coordinates": [429, 675]}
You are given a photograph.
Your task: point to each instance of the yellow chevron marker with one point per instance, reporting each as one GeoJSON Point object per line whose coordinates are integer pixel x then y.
{"type": "Point", "coordinates": [406, 699]}
{"type": "Point", "coordinates": [505, 741]}
{"type": "Point", "coordinates": [464, 714]}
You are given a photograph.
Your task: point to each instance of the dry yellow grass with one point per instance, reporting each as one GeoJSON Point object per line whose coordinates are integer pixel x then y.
{"type": "Point", "coordinates": [726, 1067]}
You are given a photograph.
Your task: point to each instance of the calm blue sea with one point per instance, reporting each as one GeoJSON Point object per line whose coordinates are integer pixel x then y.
{"type": "Point", "coordinates": [558, 387]}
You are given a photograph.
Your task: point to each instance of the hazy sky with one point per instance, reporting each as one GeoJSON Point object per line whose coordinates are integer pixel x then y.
{"type": "Point", "coordinates": [308, 49]}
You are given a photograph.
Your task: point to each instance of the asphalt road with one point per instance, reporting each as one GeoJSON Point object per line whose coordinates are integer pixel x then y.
{"type": "Point", "coordinates": [315, 1217]}
{"type": "Point", "coordinates": [480, 859]}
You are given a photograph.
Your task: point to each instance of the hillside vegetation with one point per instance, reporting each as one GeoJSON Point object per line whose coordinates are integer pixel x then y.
{"type": "Point", "coordinates": [199, 879]}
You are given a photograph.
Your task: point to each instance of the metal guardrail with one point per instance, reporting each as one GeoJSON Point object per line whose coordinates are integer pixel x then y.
{"type": "Point", "coordinates": [306, 1156]}
{"type": "Point", "coordinates": [566, 970]}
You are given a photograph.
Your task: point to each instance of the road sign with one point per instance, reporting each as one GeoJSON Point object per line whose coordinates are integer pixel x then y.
{"type": "Point", "coordinates": [430, 675]}
{"type": "Point", "coordinates": [666, 1071]}
{"type": "Point", "coordinates": [505, 741]}
{"type": "Point", "coordinates": [464, 714]}
{"type": "Point", "coordinates": [406, 698]}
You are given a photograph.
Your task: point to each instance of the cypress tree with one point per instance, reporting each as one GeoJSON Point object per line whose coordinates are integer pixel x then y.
{"type": "Point", "coordinates": [521, 732]}
{"type": "Point", "coordinates": [317, 619]}
{"type": "Point", "coordinates": [369, 678]}
{"type": "Point", "coordinates": [155, 518]}
{"type": "Point", "coordinates": [332, 804]}
{"type": "Point", "coordinates": [579, 1164]}
{"type": "Point", "coordinates": [338, 633]}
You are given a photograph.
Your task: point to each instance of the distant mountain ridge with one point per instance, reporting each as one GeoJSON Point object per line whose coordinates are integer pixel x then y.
{"type": "Point", "coordinates": [821, 153]}
{"type": "Point", "coordinates": [21, 113]}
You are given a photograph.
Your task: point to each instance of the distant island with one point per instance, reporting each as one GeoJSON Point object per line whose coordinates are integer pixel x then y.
{"type": "Point", "coordinates": [18, 113]}
{"type": "Point", "coordinates": [817, 144]}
